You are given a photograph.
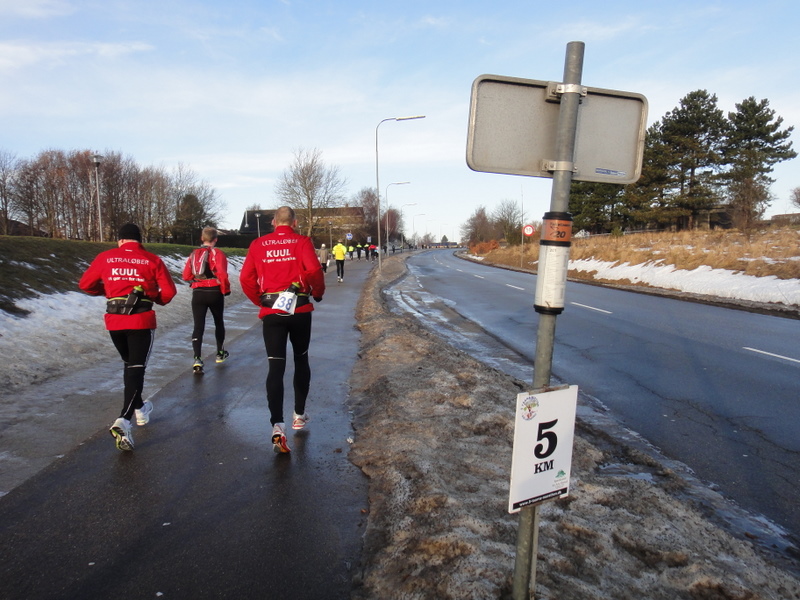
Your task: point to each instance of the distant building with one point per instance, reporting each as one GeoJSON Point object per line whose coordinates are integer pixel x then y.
{"type": "Point", "coordinates": [343, 218]}
{"type": "Point", "coordinates": [257, 222]}
{"type": "Point", "coordinates": [788, 219]}
{"type": "Point", "coordinates": [335, 221]}
{"type": "Point", "coordinates": [15, 227]}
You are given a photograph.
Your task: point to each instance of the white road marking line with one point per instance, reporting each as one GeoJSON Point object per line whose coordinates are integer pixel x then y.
{"type": "Point", "coordinates": [608, 312]}
{"type": "Point", "coordinates": [771, 354]}
{"type": "Point", "coordinates": [479, 276]}
{"type": "Point", "coordinates": [515, 287]}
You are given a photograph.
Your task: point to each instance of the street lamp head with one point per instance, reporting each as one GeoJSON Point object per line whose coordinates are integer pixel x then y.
{"type": "Point", "coordinates": [409, 118]}
{"type": "Point", "coordinates": [96, 158]}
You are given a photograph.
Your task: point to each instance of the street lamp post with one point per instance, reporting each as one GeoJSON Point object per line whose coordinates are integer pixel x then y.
{"type": "Point", "coordinates": [330, 235]}
{"type": "Point", "coordinates": [96, 158]}
{"type": "Point", "coordinates": [414, 226]}
{"type": "Point", "coordinates": [387, 206]}
{"type": "Point", "coordinates": [258, 224]}
{"type": "Point", "coordinates": [377, 176]}
{"type": "Point", "coordinates": [401, 220]}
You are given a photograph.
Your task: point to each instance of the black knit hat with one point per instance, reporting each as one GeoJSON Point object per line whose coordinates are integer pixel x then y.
{"type": "Point", "coordinates": [129, 231]}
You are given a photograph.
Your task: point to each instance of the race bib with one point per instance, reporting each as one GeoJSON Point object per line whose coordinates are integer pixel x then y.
{"type": "Point", "coordinates": [286, 302]}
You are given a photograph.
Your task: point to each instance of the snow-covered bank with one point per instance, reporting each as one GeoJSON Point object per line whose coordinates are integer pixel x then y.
{"type": "Point", "coordinates": [64, 332]}
{"type": "Point", "coordinates": [702, 280]}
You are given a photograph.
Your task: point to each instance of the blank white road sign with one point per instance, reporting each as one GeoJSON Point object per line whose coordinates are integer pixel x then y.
{"type": "Point", "coordinates": [513, 124]}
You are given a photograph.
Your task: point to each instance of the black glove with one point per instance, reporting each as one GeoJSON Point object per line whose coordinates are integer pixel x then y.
{"type": "Point", "coordinates": [318, 299]}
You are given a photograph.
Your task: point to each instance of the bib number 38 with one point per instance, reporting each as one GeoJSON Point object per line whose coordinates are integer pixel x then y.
{"type": "Point", "coordinates": [286, 302]}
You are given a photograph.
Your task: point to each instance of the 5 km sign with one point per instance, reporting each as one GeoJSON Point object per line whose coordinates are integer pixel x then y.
{"type": "Point", "coordinates": [543, 436]}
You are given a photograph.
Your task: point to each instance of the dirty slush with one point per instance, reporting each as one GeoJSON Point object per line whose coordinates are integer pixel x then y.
{"type": "Point", "coordinates": [434, 431]}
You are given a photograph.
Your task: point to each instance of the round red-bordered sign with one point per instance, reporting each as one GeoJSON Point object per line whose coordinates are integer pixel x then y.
{"type": "Point", "coordinates": [529, 230]}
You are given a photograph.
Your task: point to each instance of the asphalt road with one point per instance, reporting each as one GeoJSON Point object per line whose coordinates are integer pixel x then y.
{"type": "Point", "coordinates": [714, 388]}
{"type": "Point", "coordinates": [203, 508]}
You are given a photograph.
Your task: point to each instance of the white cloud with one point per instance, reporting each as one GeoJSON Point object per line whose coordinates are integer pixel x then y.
{"type": "Point", "coordinates": [596, 31]}
{"type": "Point", "coordinates": [435, 22]}
{"type": "Point", "coordinates": [19, 55]}
{"type": "Point", "coordinates": [272, 33]}
{"type": "Point", "coordinates": [35, 9]}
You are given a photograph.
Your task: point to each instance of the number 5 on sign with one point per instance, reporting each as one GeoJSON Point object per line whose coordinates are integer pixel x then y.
{"type": "Point", "coordinates": [543, 436]}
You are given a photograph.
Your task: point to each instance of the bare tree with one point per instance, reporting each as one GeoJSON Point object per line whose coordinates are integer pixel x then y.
{"type": "Point", "coordinates": [80, 208]}
{"type": "Point", "coordinates": [391, 217]}
{"type": "Point", "coordinates": [308, 185]}
{"type": "Point", "coordinates": [507, 217]}
{"type": "Point", "coordinates": [25, 202]}
{"type": "Point", "coordinates": [56, 193]}
{"type": "Point", "coordinates": [478, 228]}
{"type": "Point", "coordinates": [9, 165]}
{"type": "Point", "coordinates": [367, 199]}
{"type": "Point", "coordinates": [796, 197]}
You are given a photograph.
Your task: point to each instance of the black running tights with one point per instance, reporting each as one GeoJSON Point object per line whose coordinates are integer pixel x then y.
{"type": "Point", "coordinates": [278, 328]}
{"type": "Point", "coordinates": [203, 300]}
{"type": "Point", "coordinates": [134, 346]}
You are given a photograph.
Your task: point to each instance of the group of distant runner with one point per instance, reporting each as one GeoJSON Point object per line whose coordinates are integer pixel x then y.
{"type": "Point", "coordinates": [281, 274]}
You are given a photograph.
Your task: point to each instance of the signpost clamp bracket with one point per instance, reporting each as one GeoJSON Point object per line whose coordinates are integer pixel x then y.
{"type": "Point", "coordinates": [558, 165]}
{"type": "Point", "coordinates": [555, 90]}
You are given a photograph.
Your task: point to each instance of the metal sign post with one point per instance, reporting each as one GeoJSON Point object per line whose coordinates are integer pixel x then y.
{"type": "Point", "coordinates": [527, 535]}
{"type": "Point", "coordinates": [535, 128]}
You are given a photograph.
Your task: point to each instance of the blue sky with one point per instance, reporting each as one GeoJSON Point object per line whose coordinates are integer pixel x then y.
{"type": "Point", "coordinates": [231, 89]}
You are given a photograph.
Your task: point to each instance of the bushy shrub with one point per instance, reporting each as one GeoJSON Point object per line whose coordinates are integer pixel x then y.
{"type": "Point", "coordinates": [484, 247]}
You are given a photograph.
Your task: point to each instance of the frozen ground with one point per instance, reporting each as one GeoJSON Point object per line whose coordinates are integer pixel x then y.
{"type": "Point", "coordinates": [433, 432]}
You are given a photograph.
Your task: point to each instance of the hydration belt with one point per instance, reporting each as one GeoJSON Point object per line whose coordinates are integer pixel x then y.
{"type": "Point", "coordinates": [122, 306]}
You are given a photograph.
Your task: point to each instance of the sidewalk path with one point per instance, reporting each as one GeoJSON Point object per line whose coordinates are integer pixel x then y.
{"type": "Point", "coordinates": [203, 508]}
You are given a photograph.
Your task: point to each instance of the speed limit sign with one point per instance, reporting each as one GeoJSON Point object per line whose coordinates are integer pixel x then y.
{"type": "Point", "coordinates": [529, 230]}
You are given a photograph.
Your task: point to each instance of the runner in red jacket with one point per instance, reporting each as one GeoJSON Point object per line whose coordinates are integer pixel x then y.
{"type": "Point", "coordinates": [207, 271]}
{"type": "Point", "coordinates": [133, 280]}
{"type": "Point", "coordinates": [279, 262]}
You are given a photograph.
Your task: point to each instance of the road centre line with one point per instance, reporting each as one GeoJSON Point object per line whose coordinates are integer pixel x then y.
{"type": "Point", "coordinates": [771, 354]}
{"type": "Point", "coordinates": [608, 312]}
{"type": "Point", "coordinates": [478, 276]}
{"type": "Point", "coordinates": [515, 287]}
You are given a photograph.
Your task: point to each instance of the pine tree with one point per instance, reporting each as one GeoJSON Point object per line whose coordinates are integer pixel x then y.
{"type": "Point", "coordinates": [695, 132]}
{"type": "Point", "coordinates": [754, 144]}
{"type": "Point", "coordinates": [648, 201]}
{"type": "Point", "coordinates": [595, 207]}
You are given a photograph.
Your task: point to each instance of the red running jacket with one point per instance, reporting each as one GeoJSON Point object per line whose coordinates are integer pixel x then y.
{"type": "Point", "coordinates": [218, 263]}
{"type": "Point", "coordinates": [275, 261]}
{"type": "Point", "coordinates": [115, 272]}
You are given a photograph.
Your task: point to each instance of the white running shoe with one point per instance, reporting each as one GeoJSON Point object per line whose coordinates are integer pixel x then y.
{"type": "Point", "coordinates": [300, 421]}
{"type": "Point", "coordinates": [121, 430]}
{"type": "Point", "coordinates": [279, 445]}
{"type": "Point", "coordinates": [143, 414]}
